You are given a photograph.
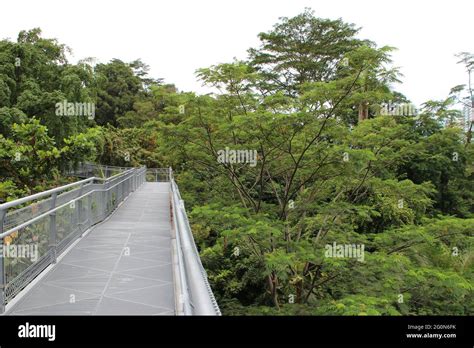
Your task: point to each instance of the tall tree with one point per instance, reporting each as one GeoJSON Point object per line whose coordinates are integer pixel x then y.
{"type": "Point", "coordinates": [467, 100]}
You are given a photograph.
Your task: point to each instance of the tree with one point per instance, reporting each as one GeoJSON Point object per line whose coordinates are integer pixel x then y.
{"type": "Point", "coordinates": [467, 59]}
{"type": "Point", "coordinates": [119, 86]}
{"type": "Point", "coordinates": [302, 49]}
{"type": "Point", "coordinates": [35, 75]}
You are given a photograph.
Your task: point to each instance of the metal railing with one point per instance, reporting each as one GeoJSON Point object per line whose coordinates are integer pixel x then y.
{"type": "Point", "coordinates": [34, 230]}
{"type": "Point", "coordinates": [88, 169]}
{"type": "Point", "coordinates": [196, 296]}
{"type": "Point", "coordinates": [157, 174]}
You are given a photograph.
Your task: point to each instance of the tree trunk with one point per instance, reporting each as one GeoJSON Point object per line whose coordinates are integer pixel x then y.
{"type": "Point", "coordinates": [272, 284]}
{"type": "Point", "coordinates": [363, 111]}
{"type": "Point", "coordinates": [471, 121]}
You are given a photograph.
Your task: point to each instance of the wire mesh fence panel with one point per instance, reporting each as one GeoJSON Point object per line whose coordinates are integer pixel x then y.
{"type": "Point", "coordinates": [157, 175]}
{"type": "Point", "coordinates": [83, 217]}
{"type": "Point", "coordinates": [96, 208]}
{"type": "Point", "coordinates": [67, 225]}
{"type": "Point", "coordinates": [87, 170]}
{"type": "Point", "coordinates": [23, 249]}
{"type": "Point", "coordinates": [36, 208]}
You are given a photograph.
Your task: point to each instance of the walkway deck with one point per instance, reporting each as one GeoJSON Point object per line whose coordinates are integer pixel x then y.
{"type": "Point", "coordinates": [122, 267]}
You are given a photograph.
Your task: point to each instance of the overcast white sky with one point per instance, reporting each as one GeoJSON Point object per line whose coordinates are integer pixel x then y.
{"type": "Point", "coordinates": [176, 37]}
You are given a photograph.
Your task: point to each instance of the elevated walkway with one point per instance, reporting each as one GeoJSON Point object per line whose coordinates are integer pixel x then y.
{"type": "Point", "coordinates": [128, 250]}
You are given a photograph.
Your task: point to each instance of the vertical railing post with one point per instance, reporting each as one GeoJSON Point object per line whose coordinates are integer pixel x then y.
{"type": "Point", "coordinates": [125, 185]}
{"type": "Point", "coordinates": [105, 197]}
{"type": "Point", "coordinates": [115, 190]}
{"type": "Point", "coordinates": [110, 197]}
{"type": "Point", "coordinates": [89, 210]}
{"type": "Point", "coordinates": [79, 208]}
{"type": "Point", "coordinates": [3, 282]}
{"type": "Point", "coordinates": [132, 182]}
{"type": "Point", "coordinates": [119, 196]}
{"type": "Point", "coordinates": [121, 185]}
{"type": "Point", "coordinates": [52, 229]}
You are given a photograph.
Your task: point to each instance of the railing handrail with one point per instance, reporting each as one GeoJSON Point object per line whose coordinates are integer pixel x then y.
{"type": "Point", "coordinates": [201, 298]}
{"type": "Point", "coordinates": [56, 208]}
{"type": "Point", "coordinates": [101, 166]}
{"type": "Point", "coordinates": [42, 194]}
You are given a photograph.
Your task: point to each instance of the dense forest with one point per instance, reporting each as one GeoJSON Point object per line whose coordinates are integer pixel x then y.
{"type": "Point", "coordinates": [356, 204]}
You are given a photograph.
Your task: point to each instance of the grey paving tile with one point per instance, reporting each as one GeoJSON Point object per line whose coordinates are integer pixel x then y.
{"type": "Point", "coordinates": [113, 306]}
{"type": "Point", "coordinates": [47, 295]}
{"type": "Point", "coordinates": [106, 264]}
{"type": "Point", "coordinates": [82, 307]}
{"type": "Point", "coordinates": [83, 254]}
{"type": "Point", "coordinates": [104, 249]}
{"type": "Point", "coordinates": [159, 255]}
{"type": "Point", "coordinates": [158, 296]}
{"type": "Point", "coordinates": [128, 263]}
{"type": "Point", "coordinates": [63, 271]}
{"type": "Point", "coordinates": [163, 272]}
{"type": "Point", "coordinates": [92, 284]}
{"type": "Point", "coordinates": [123, 282]}
{"type": "Point", "coordinates": [159, 247]}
